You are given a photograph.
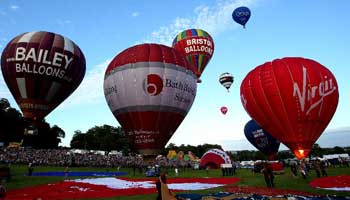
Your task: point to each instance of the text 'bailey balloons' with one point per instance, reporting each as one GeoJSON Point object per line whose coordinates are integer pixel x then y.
{"type": "Point", "coordinates": [241, 15]}
{"type": "Point", "coordinates": [198, 47]}
{"type": "Point", "coordinates": [293, 99]}
{"type": "Point", "coordinates": [41, 69]}
{"type": "Point", "coordinates": [226, 80]}
{"type": "Point", "coordinates": [150, 88]}
{"type": "Point", "coordinates": [224, 110]}
{"type": "Point", "coordinates": [261, 139]}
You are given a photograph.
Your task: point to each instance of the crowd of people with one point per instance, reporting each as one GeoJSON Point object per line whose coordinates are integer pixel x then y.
{"type": "Point", "coordinates": [65, 157]}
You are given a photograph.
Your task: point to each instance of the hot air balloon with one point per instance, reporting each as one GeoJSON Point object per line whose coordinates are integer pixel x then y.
{"type": "Point", "coordinates": [150, 88]}
{"type": "Point", "coordinates": [261, 139]}
{"type": "Point", "coordinates": [41, 69]}
{"type": "Point", "coordinates": [213, 158]}
{"type": "Point", "coordinates": [226, 79]}
{"type": "Point", "coordinates": [198, 47]}
{"type": "Point", "coordinates": [293, 99]}
{"type": "Point", "coordinates": [224, 110]}
{"type": "Point", "coordinates": [241, 15]}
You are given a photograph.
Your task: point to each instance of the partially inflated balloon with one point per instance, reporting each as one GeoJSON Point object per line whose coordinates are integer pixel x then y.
{"type": "Point", "coordinates": [261, 139]}
{"type": "Point", "coordinates": [241, 15]}
{"type": "Point", "coordinates": [224, 110]}
{"type": "Point", "coordinates": [294, 99]}
{"type": "Point", "coordinates": [226, 80]}
{"type": "Point", "coordinates": [150, 88]}
{"type": "Point", "coordinates": [198, 47]}
{"type": "Point", "coordinates": [41, 69]}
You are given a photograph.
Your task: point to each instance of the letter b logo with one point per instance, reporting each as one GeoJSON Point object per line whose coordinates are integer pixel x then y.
{"type": "Point", "coordinates": [153, 85]}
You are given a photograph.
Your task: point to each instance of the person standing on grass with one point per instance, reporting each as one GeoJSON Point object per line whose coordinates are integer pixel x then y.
{"type": "Point", "coordinates": [323, 168]}
{"type": "Point", "coordinates": [268, 175]}
{"type": "Point", "coordinates": [2, 192]}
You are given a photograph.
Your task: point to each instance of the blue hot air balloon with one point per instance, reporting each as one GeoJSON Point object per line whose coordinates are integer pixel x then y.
{"type": "Point", "coordinates": [260, 139]}
{"type": "Point", "coordinates": [241, 15]}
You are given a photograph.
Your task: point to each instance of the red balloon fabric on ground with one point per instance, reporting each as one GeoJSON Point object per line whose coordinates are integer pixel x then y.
{"type": "Point", "coordinates": [339, 183]}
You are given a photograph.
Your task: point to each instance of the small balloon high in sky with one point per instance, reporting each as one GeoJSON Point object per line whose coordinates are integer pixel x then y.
{"type": "Point", "coordinates": [241, 15]}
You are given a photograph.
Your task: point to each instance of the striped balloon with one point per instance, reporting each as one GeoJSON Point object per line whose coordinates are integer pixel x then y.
{"type": "Point", "coordinates": [149, 88]}
{"type": "Point", "coordinates": [198, 47]}
{"type": "Point", "coordinates": [41, 69]}
{"type": "Point", "coordinates": [226, 80]}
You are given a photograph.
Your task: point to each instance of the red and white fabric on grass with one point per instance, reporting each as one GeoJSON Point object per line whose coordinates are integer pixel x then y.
{"type": "Point", "coordinates": [338, 183]}
{"type": "Point", "coordinates": [111, 187]}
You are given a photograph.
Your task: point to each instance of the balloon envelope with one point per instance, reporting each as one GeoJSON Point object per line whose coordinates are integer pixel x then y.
{"type": "Point", "coordinates": [226, 80]}
{"type": "Point", "coordinates": [41, 69]}
{"type": "Point", "coordinates": [213, 158]}
{"type": "Point", "coordinates": [294, 99]}
{"type": "Point", "coordinates": [198, 47]}
{"type": "Point", "coordinates": [241, 15]}
{"type": "Point", "coordinates": [224, 110]}
{"type": "Point", "coordinates": [261, 139]}
{"type": "Point", "coordinates": [149, 88]}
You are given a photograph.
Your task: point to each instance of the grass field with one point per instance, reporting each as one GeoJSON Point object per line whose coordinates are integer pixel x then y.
{"type": "Point", "coordinates": [283, 181]}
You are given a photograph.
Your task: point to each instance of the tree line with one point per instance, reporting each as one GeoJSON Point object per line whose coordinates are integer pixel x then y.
{"type": "Point", "coordinates": [107, 138]}
{"type": "Point", "coordinates": [15, 128]}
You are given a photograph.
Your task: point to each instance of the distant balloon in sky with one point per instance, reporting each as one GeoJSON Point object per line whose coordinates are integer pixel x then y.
{"type": "Point", "coordinates": [261, 139]}
{"type": "Point", "coordinates": [241, 15]}
{"type": "Point", "coordinates": [226, 80]}
{"type": "Point", "coordinates": [41, 69]}
{"type": "Point", "coordinates": [150, 88]}
{"type": "Point", "coordinates": [293, 99]}
{"type": "Point", "coordinates": [224, 110]}
{"type": "Point", "coordinates": [198, 47]}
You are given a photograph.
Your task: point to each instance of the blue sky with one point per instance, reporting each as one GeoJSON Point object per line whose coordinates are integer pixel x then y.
{"type": "Point", "coordinates": [316, 29]}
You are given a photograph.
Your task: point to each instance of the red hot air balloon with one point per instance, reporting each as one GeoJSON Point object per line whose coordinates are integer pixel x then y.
{"type": "Point", "coordinates": [224, 110]}
{"type": "Point", "coordinates": [293, 99]}
{"type": "Point", "coordinates": [150, 88]}
{"type": "Point", "coordinates": [198, 47]}
{"type": "Point", "coordinates": [41, 69]}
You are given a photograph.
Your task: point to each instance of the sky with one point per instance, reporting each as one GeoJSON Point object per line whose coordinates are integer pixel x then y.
{"type": "Point", "coordinates": [315, 29]}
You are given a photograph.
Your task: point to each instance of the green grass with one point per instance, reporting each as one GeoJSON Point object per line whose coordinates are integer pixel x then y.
{"type": "Point", "coordinates": [283, 181]}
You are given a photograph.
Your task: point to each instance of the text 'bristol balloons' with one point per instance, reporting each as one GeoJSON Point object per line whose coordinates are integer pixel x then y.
{"type": "Point", "coordinates": [224, 110]}
{"type": "Point", "coordinates": [198, 47]}
{"type": "Point", "coordinates": [150, 88]}
{"type": "Point", "coordinates": [241, 15]}
{"type": "Point", "coordinates": [293, 99]}
{"type": "Point", "coordinates": [226, 80]}
{"type": "Point", "coordinates": [261, 139]}
{"type": "Point", "coordinates": [41, 69]}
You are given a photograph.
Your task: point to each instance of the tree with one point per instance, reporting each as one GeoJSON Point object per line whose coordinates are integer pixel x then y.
{"type": "Point", "coordinates": [104, 137]}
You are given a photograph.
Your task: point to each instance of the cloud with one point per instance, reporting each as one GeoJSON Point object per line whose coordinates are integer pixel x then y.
{"type": "Point", "coordinates": [338, 130]}
{"type": "Point", "coordinates": [135, 14]}
{"type": "Point", "coordinates": [90, 90]}
{"type": "Point", "coordinates": [214, 19]}
{"type": "Point", "coordinates": [14, 7]}
{"type": "Point", "coordinates": [64, 22]}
